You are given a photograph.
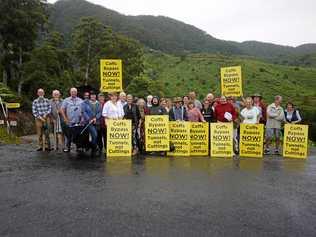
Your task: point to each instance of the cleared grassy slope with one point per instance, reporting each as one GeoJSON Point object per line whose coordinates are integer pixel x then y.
{"type": "Point", "coordinates": [200, 72]}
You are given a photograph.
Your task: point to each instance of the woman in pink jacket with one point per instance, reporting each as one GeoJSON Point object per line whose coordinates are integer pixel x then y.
{"type": "Point", "coordinates": [194, 114]}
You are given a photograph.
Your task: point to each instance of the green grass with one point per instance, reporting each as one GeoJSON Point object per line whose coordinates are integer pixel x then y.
{"type": "Point", "coordinates": [200, 72]}
{"type": "Point", "coordinates": [8, 138]}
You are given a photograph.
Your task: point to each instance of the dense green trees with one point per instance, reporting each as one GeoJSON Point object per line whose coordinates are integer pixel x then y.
{"type": "Point", "coordinates": [21, 21]}
{"type": "Point", "coordinates": [93, 41]}
{"type": "Point", "coordinates": [32, 55]}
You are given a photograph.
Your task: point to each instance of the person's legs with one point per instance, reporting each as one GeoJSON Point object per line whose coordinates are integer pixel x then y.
{"type": "Point", "coordinates": [235, 141]}
{"type": "Point", "coordinates": [269, 135]}
{"type": "Point", "coordinates": [67, 133]}
{"type": "Point", "coordinates": [134, 139]}
{"type": "Point", "coordinates": [55, 135]}
{"type": "Point", "coordinates": [39, 132]}
{"type": "Point", "coordinates": [100, 138]}
{"type": "Point", "coordinates": [277, 134]}
{"type": "Point", "coordinates": [46, 134]}
{"type": "Point", "coordinates": [103, 134]}
{"type": "Point", "coordinates": [105, 139]}
{"type": "Point", "coordinates": [94, 136]}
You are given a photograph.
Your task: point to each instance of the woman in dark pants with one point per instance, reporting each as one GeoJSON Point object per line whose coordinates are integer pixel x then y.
{"type": "Point", "coordinates": [101, 126]}
{"type": "Point", "coordinates": [131, 112]}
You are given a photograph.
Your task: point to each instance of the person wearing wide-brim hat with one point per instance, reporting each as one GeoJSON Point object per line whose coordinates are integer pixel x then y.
{"type": "Point", "coordinates": [178, 111]}
{"type": "Point", "coordinates": [258, 103]}
{"type": "Point", "coordinates": [257, 95]}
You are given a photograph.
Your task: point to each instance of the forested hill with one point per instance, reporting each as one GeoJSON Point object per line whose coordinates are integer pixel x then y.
{"type": "Point", "coordinates": [166, 34]}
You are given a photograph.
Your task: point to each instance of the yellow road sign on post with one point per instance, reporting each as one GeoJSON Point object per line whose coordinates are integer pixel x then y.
{"type": "Point", "coordinates": [13, 105]}
{"type": "Point", "coordinates": [295, 141]}
{"type": "Point", "coordinates": [231, 81]}
{"type": "Point", "coordinates": [111, 75]}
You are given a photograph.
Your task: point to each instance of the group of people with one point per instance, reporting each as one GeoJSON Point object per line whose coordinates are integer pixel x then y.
{"type": "Point", "coordinates": [64, 116]}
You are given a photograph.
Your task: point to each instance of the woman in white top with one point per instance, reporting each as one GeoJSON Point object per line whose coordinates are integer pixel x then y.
{"type": "Point", "coordinates": [112, 109]}
{"type": "Point", "coordinates": [250, 114]}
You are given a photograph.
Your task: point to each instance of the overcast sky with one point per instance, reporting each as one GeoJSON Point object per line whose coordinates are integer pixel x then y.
{"type": "Point", "coordinates": [287, 22]}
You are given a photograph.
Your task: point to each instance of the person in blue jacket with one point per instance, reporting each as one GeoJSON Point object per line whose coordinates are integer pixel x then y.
{"type": "Point", "coordinates": [91, 115]}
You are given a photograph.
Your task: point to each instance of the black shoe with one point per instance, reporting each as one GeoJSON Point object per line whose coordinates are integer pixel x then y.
{"type": "Point", "coordinates": [39, 149]}
{"type": "Point", "coordinates": [94, 150]}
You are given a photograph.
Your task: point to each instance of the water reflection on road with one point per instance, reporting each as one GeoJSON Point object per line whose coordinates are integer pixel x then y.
{"type": "Point", "coordinates": [210, 166]}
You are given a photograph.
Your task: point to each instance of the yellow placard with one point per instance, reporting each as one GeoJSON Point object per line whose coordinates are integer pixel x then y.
{"type": "Point", "coordinates": [180, 138]}
{"type": "Point", "coordinates": [295, 141]}
{"type": "Point", "coordinates": [157, 133]}
{"type": "Point", "coordinates": [119, 138]}
{"type": "Point", "coordinates": [251, 140]}
{"type": "Point", "coordinates": [222, 139]}
{"type": "Point", "coordinates": [199, 139]}
{"type": "Point", "coordinates": [13, 105]}
{"type": "Point", "coordinates": [111, 75]}
{"type": "Point", "coordinates": [231, 81]}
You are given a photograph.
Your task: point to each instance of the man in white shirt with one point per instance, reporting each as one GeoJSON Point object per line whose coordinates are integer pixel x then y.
{"type": "Point", "coordinates": [250, 114]}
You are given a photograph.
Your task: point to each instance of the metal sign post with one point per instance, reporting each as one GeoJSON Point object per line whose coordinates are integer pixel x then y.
{"type": "Point", "coordinates": [5, 113]}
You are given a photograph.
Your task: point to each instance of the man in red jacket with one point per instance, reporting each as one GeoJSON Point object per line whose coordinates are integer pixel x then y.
{"type": "Point", "coordinates": [225, 112]}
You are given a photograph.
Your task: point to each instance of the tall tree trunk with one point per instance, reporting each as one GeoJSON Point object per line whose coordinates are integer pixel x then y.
{"type": "Point", "coordinates": [5, 77]}
{"type": "Point", "coordinates": [19, 73]}
{"type": "Point", "coordinates": [20, 86]}
{"type": "Point", "coordinates": [88, 61]}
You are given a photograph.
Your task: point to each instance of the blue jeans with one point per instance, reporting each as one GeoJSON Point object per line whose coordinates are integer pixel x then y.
{"type": "Point", "coordinates": [93, 133]}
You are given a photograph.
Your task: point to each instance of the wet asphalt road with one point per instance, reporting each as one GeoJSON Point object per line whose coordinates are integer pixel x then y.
{"type": "Point", "coordinates": [58, 195]}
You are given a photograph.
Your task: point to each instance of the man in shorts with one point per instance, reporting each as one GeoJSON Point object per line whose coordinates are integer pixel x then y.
{"type": "Point", "coordinates": [275, 117]}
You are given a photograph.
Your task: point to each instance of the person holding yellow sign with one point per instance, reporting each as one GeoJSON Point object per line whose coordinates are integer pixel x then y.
{"type": "Point", "coordinates": [112, 109]}
{"type": "Point", "coordinates": [132, 113]}
{"type": "Point", "coordinates": [250, 114]}
{"type": "Point", "coordinates": [292, 115]}
{"type": "Point", "coordinates": [226, 113]}
{"type": "Point", "coordinates": [178, 111]}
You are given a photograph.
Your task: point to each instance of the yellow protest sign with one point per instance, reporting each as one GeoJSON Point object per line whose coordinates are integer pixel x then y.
{"type": "Point", "coordinates": [222, 139]}
{"type": "Point", "coordinates": [119, 138]}
{"type": "Point", "coordinates": [111, 75]}
{"type": "Point", "coordinates": [295, 142]}
{"type": "Point", "coordinates": [157, 133]}
{"type": "Point", "coordinates": [251, 140]}
{"type": "Point", "coordinates": [199, 139]}
{"type": "Point", "coordinates": [231, 81]}
{"type": "Point", "coordinates": [180, 137]}
{"type": "Point", "coordinates": [13, 105]}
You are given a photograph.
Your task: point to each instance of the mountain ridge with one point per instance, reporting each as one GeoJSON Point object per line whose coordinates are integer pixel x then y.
{"type": "Point", "coordinates": [166, 34]}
